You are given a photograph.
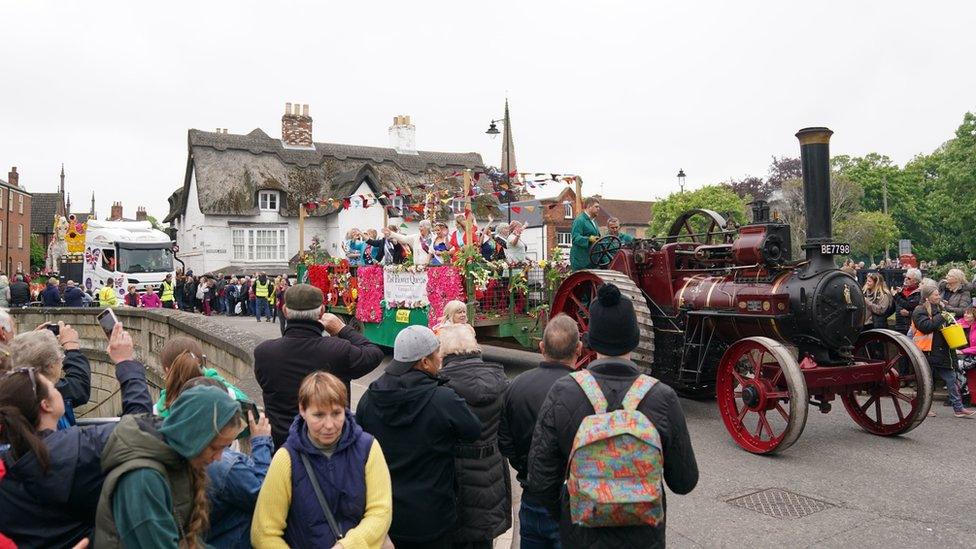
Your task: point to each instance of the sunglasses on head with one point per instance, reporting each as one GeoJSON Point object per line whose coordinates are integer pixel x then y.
{"type": "Point", "coordinates": [31, 373]}
{"type": "Point", "coordinates": [202, 359]}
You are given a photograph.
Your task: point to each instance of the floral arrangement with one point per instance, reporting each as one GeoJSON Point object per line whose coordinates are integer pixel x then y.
{"type": "Point", "coordinates": [318, 276]}
{"type": "Point", "coordinates": [443, 284]}
{"type": "Point", "coordinates": [369, 307]}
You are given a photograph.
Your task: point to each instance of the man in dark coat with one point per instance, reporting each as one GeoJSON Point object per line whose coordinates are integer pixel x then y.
{"type": "Point", "coordinates": [906, 300]}
{"type": "Point", "coordinates": [613, 334]}
{"type": "Point", "coordinates": [19, 292]}
{"type": "Point", "coordinates": [73, 296]}
{"type": "Point", "coordinates": [281, 364]}
{"type": "Point", "coordinates": [560, 347]}
{"type": "Point", "coordinates": [418, 423]}
{"type": "Point", "coordinates": [51, 295]}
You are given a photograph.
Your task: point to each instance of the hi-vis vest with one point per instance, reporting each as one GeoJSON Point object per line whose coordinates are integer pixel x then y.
{"type": "Point", "coordinates": [922, 341]}
{"type": "Point", "coordinates": [107, 297]}
{"type": "Point", "coordinates": [167, 292]}
{"type": "Point", "coordinates": [261, 290]}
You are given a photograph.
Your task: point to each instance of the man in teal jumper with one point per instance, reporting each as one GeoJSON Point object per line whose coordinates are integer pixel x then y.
{"type": "Point", "coordinates": [584, 233]}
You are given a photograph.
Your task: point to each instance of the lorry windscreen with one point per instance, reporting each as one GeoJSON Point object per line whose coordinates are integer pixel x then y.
{"type": "Point", "coordinates": [146, 260]}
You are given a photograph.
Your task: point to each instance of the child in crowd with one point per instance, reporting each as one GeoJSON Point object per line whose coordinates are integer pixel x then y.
{"type": "Point", "coordinates": [182, 359]}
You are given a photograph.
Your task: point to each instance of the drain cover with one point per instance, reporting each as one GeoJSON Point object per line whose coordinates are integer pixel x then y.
{"type": "Point", "coordinates": [779, 503]}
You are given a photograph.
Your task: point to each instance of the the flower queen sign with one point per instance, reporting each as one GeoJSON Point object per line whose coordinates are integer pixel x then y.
{"type": "Point", "coordinates": [405, 289]}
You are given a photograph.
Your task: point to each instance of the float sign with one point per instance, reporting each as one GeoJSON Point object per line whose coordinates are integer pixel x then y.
{"type": "Point", "coordinates": [408, 288]}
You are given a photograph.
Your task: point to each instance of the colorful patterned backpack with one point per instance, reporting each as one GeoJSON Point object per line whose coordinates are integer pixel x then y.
{"type": "Point", "coordinates": [616, 466]}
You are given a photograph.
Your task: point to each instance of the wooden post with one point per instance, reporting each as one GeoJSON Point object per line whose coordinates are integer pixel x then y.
{"type": "Point", "coordinates": [468, 214]}
{"type": "Point", "coordinates": [579, 194]}
{"type": "Point", "coordinates": [301, 229]}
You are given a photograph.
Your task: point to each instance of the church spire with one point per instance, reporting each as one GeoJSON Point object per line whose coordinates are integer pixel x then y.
{"type": "Point", "coordinates": [508, 145]}
{"type": "Point", "coordinates": [93, 206]}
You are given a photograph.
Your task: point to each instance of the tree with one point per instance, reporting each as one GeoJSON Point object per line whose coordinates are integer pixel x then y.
{"type": "Point", "coordinates": [38, 255]}
{"type": "Point", "coordinates": [750, 188]}
{"type": "Point", "coordinates": [720, 198]}
{"type": "Point", "coordinates": [869, 233]}
{"type": "Point", "coordinates": [155, 223]}
{"type": "Point", "coordinates": [783, 169]}
{"type": "Point", "coordinates": [845, 201]}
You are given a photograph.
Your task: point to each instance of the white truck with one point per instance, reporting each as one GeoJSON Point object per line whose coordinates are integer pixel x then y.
{"type": "Point", "coordinates": [121, 253]}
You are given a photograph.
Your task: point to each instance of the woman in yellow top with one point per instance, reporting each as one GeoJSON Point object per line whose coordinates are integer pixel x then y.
{"type": "Point", "coordinates": [327, 459]}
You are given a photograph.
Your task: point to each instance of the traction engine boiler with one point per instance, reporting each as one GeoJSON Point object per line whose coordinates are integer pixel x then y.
{"type": "Point", "coordinates": [727, 311]}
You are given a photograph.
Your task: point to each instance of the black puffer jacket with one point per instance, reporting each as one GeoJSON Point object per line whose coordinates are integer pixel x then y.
{"type": "Point", "coordinates": [907, 303]}
{"type": "Point", "coordinates": [560, 417]}
{"type": "Point", "coordinates": [483, 481]}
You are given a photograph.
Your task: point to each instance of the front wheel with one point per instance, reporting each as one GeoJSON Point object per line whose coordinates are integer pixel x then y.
{"type": "Point", "coordinates": [761, 395]}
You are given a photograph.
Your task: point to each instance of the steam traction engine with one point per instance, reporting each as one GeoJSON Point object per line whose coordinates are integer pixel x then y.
{"type": "Point", "coordinates": [727, 311]}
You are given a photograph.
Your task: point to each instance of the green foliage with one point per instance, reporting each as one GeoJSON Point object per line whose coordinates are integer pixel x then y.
{"type": "Point", "coordinates": [845, 201]}
{"type": "Point", "coordinates": [719, 198]}
{"type": "Point", "coordinates": [155, 223]}
{"type": "Point", "coordinates": [38, 255]}
{"type": "Point", "coordinates": [940, 271]}
{"type": "Point", "coordinates": [868, 233]}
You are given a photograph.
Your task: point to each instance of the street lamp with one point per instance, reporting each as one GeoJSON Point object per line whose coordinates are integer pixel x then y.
{"type": "Point", "coordinates": [681, 180]}
{"type": "Point", "coordinates": [493, 132]}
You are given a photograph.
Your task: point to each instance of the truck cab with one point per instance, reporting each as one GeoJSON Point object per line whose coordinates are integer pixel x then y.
{"type": "Point", "coordinates": [121, 253]}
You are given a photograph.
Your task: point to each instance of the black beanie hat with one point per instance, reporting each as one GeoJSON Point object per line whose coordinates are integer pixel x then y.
{"type": "Point", "coordinates": [613, 327]}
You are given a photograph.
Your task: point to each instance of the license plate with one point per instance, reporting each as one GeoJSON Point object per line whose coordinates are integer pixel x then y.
{"type": "Point", "coordinates": [835, 249]}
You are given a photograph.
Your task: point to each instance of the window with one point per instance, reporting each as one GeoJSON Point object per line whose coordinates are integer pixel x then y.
{"type": "Point", "coordinates": [10, 195]}
{"type": "Point", "coordinates": [457, 206]}
{"type": "Point", "coordinates": [564, 238]}
{"type": "Point", "coordinates": [20, 236]}
{"type": "Point", "coordinates": [268, 201]}
{"type": "Point", "coordinates": [1, 233]}
{"type": "Point", "coordinates": [397, 202]}
{"type": "Point", "coordinates": [260, 244]}
{"type": "Point", "coordinates": [568, 210]}
{"type": "Point", "coordinates": [145, 260]}
{"type": "Point", "coordinates": [20, 203]}
{"type": "Point", "coordinates": [20, 266]}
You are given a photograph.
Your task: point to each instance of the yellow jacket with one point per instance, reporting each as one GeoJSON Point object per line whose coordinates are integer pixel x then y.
{"type": "Point", "coordinates": [107, 297]}
{"type": "Point", "coordinates": [271, 511]}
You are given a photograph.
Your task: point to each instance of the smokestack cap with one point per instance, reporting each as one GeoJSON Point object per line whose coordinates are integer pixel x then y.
{"type": "Point", "coordinates": [814, 136]}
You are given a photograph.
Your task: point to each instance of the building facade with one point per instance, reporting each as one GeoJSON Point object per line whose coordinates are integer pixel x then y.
{"type": "Point", "coordinates": [238, 208]}
{"type": "Point", "coordinates": [15, 224]}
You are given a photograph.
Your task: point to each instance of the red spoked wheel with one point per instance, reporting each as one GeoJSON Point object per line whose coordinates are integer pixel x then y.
{"type": "Point", "coordinates": [579, 290]}
{"type": "Point", "coordinates": [901, 400]}
{"type": "Point", "coordinates": [761, 395]}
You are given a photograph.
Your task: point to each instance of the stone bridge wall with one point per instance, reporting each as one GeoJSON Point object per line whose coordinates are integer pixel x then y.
{"type": "Point", "coordinates": [229, 351]}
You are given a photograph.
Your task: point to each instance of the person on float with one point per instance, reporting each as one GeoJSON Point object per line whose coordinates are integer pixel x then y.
{"type": "Point", "coordinates": [560, 348]}
{"type": "Point", "coordinates": [955, 291]}
{"type": "Point", "coordinates": [371, 256]}
{"type": "Point", "coordinates": [907, 299]}
{"type": "Point", "coordinates": [131, 298]}
{"type": "Point", "coordinates": [927, 324]}
{"type": "Point", "coordinates": [421, 244]}
{"type": "Point", "coordinates": [355, 247]}
{"type": "Point", "coordinates": [584, 233]}
{"type": "Point", "coordinates": [349, 470]}
{"type": "Point", "coordinates": [515, 248]}
{"type": "Point", "coordinates": [51, 491]}
{"type": "Point", "coordinates": [613, 335]}
{"type": "Point", "coordinates": [483, 480]}
{"type": "Point", "coordinates": [262, 290]}
{"type": "Point", "coordinates": [420, 423]}
{"type": "Point", "coordinates": [455, 312]}
{"type": "Point", "coordinates": [877, 300]}
{"type": "Point", "coordinates": [441, 245]}
{"type": "Point", "coordinates": [459, 236]}
{"type": "Point", "coordinates": [73, 295]}
{"type": "Point", "coordinates": [155, 489]}
{"type": "Point", "coordinates": [501, 241]}
{"type": "Point", "coordinates": [488, 246]}
{"type": "Point", "coordinates": [389, 251]}
{"type": "Point", "coordinates": [150, 299]}
{"type": "Point", "coordinates": [613, 229]}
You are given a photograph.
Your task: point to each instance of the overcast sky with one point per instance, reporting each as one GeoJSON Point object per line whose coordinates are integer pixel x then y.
{"type": "Point", "coordinates": [622, 93]}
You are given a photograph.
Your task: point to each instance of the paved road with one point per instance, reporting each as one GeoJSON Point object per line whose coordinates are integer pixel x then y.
{"type": "Point", "coordinates": [911, 491]}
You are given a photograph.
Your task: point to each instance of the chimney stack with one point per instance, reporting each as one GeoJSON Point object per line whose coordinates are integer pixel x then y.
{"type": "Point", "coordinates": [116, 212]}
{"type": "Point", "coordinates": [13, 177]}
{"type": "Point", "coordinates": [141, 214]}
{"type": "Point", "coordinates": [296, 126]}
{"type": "Point", "coordinates": [403, 135]}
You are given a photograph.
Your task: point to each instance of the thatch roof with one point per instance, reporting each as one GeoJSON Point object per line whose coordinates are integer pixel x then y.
{"type": "Point", "coordinates": [230, 169]}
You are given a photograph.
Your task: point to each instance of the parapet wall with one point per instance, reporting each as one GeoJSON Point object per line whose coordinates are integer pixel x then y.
{"type": "Point", "coordinates": [230, 351]}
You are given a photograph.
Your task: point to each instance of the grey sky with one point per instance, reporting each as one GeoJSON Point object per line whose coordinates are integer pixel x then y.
{"type": "Point", "coordinates": [622, 93]}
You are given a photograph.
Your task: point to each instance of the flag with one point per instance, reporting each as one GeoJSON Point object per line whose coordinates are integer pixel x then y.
{"type": "Point", "coordinates": [346, 203]}
{"type": "Point", "coordinates": [517, 209]}
{"type": "Point", "coordinates": [530, 208]}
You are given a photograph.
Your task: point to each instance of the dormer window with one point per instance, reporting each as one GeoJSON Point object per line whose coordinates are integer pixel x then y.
{"type": "Point", "coordinates": [268, 201]}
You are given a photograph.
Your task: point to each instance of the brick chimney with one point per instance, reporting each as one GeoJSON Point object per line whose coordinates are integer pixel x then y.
{"type": "Point", "coordinates": [116, 212]}
{"type": "Point", "coordinates": [296, 126]}
{"type": "Point", "coordinates": [403, 135]}
{"type": "Point", "coordinates": [140, 214]}
{"type": "Point", "coordinates": [13, 177]}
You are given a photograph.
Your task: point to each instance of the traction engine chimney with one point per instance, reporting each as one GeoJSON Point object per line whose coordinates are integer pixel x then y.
{"type": "Point", "coordinates": [815, 160]}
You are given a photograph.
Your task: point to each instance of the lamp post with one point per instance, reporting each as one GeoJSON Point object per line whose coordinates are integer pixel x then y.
{"type": "Point", "coordinates": [681, 179]}
{"type": "Point", "coordinates": [493, 132]}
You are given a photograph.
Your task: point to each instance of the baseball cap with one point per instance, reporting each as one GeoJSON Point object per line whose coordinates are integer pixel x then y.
{"type": "Point", "coordinates": [412, 344]}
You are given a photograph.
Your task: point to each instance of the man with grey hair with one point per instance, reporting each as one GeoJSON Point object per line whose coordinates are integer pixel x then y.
{"type": "Point", "coordinates": [560, 348]}
{"type": "Point", "coordinates": [906, 299]}
{"type": "Point", "coordinates": [281, 364]}
{"type": "Point", "coordinates": [420, 244]}
{"type": "Point", "coordinates": [58, 358]}
{"type": "Point", "coordinates": [613, 229]}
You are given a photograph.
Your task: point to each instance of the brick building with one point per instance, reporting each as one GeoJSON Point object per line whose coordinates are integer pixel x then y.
{"type": "Point", "coordinates": [15, 224]}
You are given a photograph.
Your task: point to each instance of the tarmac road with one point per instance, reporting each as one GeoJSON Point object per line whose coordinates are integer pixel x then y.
{"type": "Point", "coordinates": [868, 491]}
